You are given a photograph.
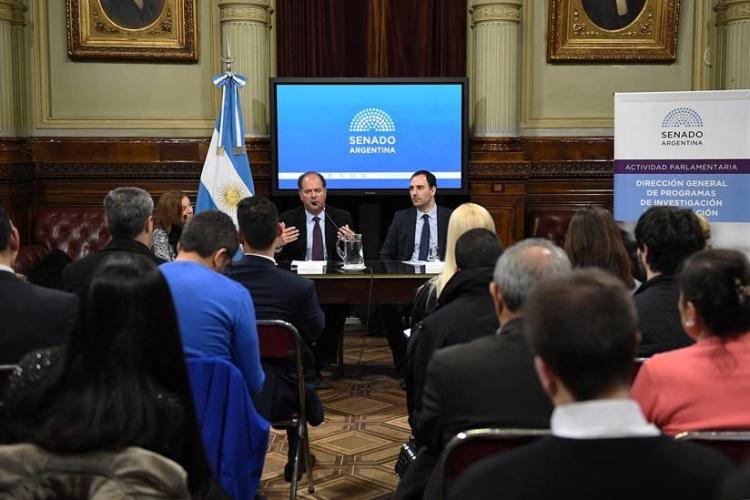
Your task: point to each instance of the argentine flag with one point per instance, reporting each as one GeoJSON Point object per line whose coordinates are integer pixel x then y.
{"type": "Point", "coordinates": [226, 177]}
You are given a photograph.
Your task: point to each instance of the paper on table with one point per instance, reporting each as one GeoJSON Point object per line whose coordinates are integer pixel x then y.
{"type": "Point", "coordinates": [309, 266]}
{"type": "Point", "coordinates": [430, 267]}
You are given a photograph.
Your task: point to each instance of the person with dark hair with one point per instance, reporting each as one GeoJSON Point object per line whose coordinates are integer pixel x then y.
{"type": "Point", "coordinates": [704, 386]}
{"type": "Point", "coordinates": [216, 314]}
{"type": "Point", "coordinates": [119, 381]}
{"type": "Point", "coordinates": [415, 234]}
{"type": "Point", "coordinates": [33, 316]}
{"type": "Point", "coordinates": [311, 232]}
{"type": "Point", "coordinates": [128, 212]}
{"type": "Point", "coordinates": [489, 382]}
{"type": "Point", "coordinates": [601, 445]}
{"type": "Point", "coordinates": [258, 219]}
{"type": "Point", "coordinates": [172, 212]}
{"type": "Point", "coordinates": [665, 236]}
{"type": "Point", "coordinates": [594, 240]}
{"type": "Point", "coordinates": [464, 311]}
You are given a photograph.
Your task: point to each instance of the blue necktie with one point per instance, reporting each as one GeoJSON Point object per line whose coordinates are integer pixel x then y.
{"type": "Point", "coordinates": [317, 240]}
{"type": "Point", "coordinates": [424, 240]}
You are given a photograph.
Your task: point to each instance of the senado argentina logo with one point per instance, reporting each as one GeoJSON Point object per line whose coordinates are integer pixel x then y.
{"type": "Point", "coordinates": [372, 132]}
{"type": "Point", "coordinates": [682, 127]}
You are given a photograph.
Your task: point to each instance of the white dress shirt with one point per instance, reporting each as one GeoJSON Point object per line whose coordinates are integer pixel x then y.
{"type": "Point", "coordinates": [432, 214]}
{"type": "Point", "coordinates": [601, 418]}
{"type": "Point", "coordinates": [310, 225]}
{"type": "Point", "coordinates": [7, 269]}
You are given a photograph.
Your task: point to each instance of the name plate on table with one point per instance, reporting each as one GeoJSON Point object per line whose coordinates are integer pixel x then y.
{"type": "Point", "coordinates": [435, 267]}
{"type": "Point", "coordinates": [309, 266]}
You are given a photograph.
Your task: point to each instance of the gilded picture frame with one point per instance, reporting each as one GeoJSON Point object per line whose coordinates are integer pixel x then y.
{"type": "Point", "coordinates": [613, 30]}
{"type": "Point", "coordinates": [142, 30]}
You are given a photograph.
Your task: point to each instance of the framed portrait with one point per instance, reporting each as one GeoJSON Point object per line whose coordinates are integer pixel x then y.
{"type": "Point", "coordinates": [612, 30]}
{"type": "Point", "coordinates": [147, 30]}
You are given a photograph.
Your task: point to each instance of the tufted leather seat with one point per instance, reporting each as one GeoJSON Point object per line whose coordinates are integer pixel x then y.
{"type": "Point", "coordinates": [76, 231]}
{"type": "Point", "coordinates": [551, 225]}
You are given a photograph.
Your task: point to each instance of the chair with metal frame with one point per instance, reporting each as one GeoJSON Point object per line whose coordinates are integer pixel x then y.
{"type": "Point", "coordinates": [281, 340]}
{"type": "Point", "coordinates": [468, 447]}
{"type": "Point", "coordinates": [735, 444]}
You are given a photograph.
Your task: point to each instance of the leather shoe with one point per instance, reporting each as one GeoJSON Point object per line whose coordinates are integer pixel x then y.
{"type": "Point", "coordinates": [289, 467]}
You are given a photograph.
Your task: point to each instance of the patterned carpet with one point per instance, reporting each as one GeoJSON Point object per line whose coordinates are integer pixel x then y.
{"type": "Point", "coordinates": [365, 424]}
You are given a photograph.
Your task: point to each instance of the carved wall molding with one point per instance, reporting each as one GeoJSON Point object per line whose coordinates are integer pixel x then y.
{"type": "Point", "coordinates": [735, 10]}
{"type": "Point", "coordinates": [6, 10]}
{"type": "Point", "coordinates": [257, 11]}
{"type": "Point", "coordinates": [496, 11]}
{"type": "Point", "coordinates": [19, 13]}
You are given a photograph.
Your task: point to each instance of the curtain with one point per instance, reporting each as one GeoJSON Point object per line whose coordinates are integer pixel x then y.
{"type": "Point", "coordinates": [381, 38]}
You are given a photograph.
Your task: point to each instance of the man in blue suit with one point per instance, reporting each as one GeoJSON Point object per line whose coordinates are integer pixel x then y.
{"type": "Point", "coordinates": [416, 233]}
{"type": "Point", "coordinates": [278, 294]}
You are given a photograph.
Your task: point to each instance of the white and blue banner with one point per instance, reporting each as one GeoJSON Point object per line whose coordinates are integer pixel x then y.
{"type": "Point", "coordinates": [226, 177]}
{"type": "Point", "coordinates": [686, 149]}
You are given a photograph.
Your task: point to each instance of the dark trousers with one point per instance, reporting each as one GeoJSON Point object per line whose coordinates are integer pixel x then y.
{"type": "Point", "coordinates": [394, 318]}
{"type": "Point", "coordinates": [326, 347]}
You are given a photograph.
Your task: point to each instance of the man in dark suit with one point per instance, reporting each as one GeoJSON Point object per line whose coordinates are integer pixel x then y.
{"type": "Point", "coordinates": [33, 317]}
{"type": "Point", "coordinates": [408, 237]}
{"type": "Point", "coordinates": [416, 233]}
{"type": "Point", "coordinates": [583, 329]}
{"type": "Point", "coordinates": [310, 232]}
{"type": "Point", "coordinates": [128, 212]}
{"type": "Point", "coordinates": [489, 382]}
{"type": "Point", "coordinates": [278, 294]}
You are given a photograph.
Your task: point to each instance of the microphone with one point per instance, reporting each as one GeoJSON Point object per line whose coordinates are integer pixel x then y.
{"type": "Point", "coordinates": [332, 221]}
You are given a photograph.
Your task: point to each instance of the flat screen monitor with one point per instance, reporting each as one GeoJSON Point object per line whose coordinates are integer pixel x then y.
{"type": "Point", "coordinates": [368, 136]}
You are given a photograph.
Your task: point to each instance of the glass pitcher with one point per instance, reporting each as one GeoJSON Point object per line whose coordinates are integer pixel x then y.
{"type": "Point", "coordinates": [349, 249]}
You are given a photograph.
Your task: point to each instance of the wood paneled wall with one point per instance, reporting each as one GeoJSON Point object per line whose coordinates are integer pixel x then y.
{"type": "Point", "coordinates": [517, 180]}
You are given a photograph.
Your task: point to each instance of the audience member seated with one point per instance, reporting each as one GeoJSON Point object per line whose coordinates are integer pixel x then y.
{"type": "Point", "coordinates": [489, 382]}
{"type": "Point", "coordinates": [706, 385]}
{"type": "Point", "coordinates": [594, 240]}
{"type": "Point", "coordinates": [128, 213]}
{"type": "Point", "coordinates": [278, 294]}
{"type": "Point", "coordinates": [119, 381]}
{"type": "Point", "coordinates": [464, 312]}
{"type": "Point", "coordinates": [666, 236]}
{"type": "Point", "coordinates": [215, 313]}
{"type": "Point", "coordinates": [172, 212]}
{"type": "Point", "coordinates": [467, 216]}
{"type": "Point", "coordinates": [583, 331]}
{"type": "Point", "coordinates": [33, 316]}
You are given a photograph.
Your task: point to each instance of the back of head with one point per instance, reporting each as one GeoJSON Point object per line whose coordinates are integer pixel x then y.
{"type": "Point", "coordinates": [258, 219]}
{"type": "Point", "coordinates": [671, 235]}
{"type": "Point", "coordinates": [208, 232]}
{"type": "Point", "coordinates": [106, 392]}
{"type": "Point", "coordinates": [168, 211]}
{"type": "Point", "coordinates": [717, 282]}
{"type": "Point", "coordinates": [4, 230]}
{"type": "Point", "coordinates": [477, 248]}
{"type": "Point", "coordinates": [523, 265]}
{"type": "Point", "coordinates": [584, 326]}
{"type": "Point", "coordinates": [465, 217]}
{"type": "Point", "coordinates": [127, 210]}
{"type": "Point", "coordinates": [594, 240]}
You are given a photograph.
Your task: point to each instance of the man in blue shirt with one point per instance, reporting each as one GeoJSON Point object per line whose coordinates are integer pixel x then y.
{"type": "Point", "coordinates": [215, 313]}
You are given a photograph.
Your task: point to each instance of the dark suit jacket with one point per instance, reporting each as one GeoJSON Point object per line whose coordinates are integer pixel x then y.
{"type": "Point", "coordinates": [646, 468]}
{"type": "Point", "coordinates": [281, 294]}
{"type": "Point", "coordinates": [33, 317]}
{"type": "Point", "coordinates": [76, 277]}
{"type": "Point", "coordinates": [489, 382]}
{"type": "Point", "coordinates": [296, 250]}
{"type": "Point", "coordinates": [399, 242]}
{"type": "Point", "coordinates": [658, 315]}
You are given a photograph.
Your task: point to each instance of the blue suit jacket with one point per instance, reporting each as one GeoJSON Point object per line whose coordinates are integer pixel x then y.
{"type": "Point", "coordinates": [235, 437]}
{"type": "Point", "coordinates": [399, 242]}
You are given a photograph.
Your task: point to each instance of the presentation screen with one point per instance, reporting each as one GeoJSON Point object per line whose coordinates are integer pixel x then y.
{"type": "Point", "coordinates": [369, 135]}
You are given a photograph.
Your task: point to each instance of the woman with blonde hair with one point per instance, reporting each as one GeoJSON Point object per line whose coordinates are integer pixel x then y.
{"type": "Point", "coordinates": [467, 216]}
{"type": "Point", "coordinates": [170, 215]}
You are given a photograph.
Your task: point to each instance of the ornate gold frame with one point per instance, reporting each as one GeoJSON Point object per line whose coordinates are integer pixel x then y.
{"type": "Point", "coordinates": [650, 37]}
{"type": "Point", "coordinates": [171, 37]}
